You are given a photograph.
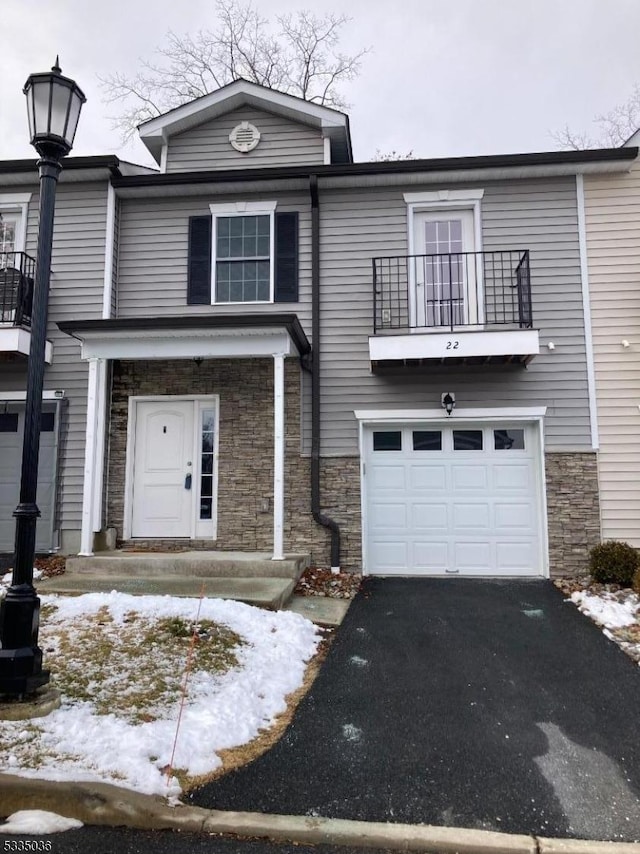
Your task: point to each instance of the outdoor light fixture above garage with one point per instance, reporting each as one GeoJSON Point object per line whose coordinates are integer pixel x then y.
{"type": "Point", "coordinates": [448, 401]}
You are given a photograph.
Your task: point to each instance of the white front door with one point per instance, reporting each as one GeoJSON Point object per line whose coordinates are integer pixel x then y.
{"type": "Point", "coordinates": [453, 498]}
{"type": "Point", "coordinates": [446, 270]}
{"type": "Point", "coordinates": [163, 469]}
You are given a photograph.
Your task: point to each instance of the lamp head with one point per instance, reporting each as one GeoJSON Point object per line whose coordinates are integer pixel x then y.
{"type": "Point", "coordinates": [53, 109]}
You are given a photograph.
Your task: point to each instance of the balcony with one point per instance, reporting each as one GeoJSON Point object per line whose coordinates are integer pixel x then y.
{"type": "Point", "coordinates": [17, 273]}
{"type": "Point", "coordinates": [455, 308]}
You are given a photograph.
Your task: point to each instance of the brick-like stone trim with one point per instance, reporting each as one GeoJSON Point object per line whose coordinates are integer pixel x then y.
{"type": "Point", "coordinates": [245, 457]}
{"type": "Point", "coordinates": [573, 510]}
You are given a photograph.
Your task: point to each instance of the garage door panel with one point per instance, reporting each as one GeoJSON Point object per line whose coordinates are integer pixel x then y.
{"type": "Point", "coordinates": [428, 477]}
{"type": "Point", "coordinates": [471, 516]}
{"type": "Point", "coordinates": [471, 507]}
{"type": "Point", "coordinates": [514, 518]}
{"type": "Point", "coordinates": [473, 556]}
{"type": "Point", "coordinates": [466, 476]}
{"type": "Point", "coordinates": [520, 555]}
{"type": "Point", "coordinates": [513, 478]}
{"type": "Point", "coordinates": [387, 516]}
{"type": "Point", "coordinates": [10, 471]}
{"type": "Point", "coordinates": [429, 517]}
{"type": "Point", "coordinates": [388, 477]}
{"type": "Point", "coordinates": [390, 555]}
{"type": "Point", "coordinates": [430, 555]}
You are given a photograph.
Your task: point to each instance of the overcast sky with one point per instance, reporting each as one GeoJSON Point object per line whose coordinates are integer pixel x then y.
{"type": "Point", "coordinates": [444, 78]}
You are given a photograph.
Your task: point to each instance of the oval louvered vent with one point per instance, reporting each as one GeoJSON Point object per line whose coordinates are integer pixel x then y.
{"type": "Point", "coordinates": [244, 137]}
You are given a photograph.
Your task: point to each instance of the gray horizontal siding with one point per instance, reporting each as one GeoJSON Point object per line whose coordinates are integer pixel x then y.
{"type": "Point", "coordinates": [282, 143]}
{"type": "Point", "coordinates": [76, 292]}
{"type": "Point", "coordinates": [152, 259]}
{"type": "Point", "coordinates": [540, 216]}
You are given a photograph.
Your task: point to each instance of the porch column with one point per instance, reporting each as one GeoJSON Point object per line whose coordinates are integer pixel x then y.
{"type": "Point", "coordinates": [278, 456]}
{"type": "Point", "coordinates": [94, 453]}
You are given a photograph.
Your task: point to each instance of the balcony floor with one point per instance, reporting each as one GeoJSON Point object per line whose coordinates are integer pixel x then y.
{"type": "Point", "coordinates": [457, 347]}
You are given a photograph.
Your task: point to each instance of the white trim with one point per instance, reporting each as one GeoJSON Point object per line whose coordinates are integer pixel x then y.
{"type": "Point", "coordinates": [19, 396]}
{"type": "Point", "coordinates": [187, 344]}
{"type": "Point", "coordinates": [99, 466]}
{"type": "Point", "coordinates": [327, 150]}
{"type": "Point", "coordinates": [242, 208]}
{"type": "Point", "coordinates": [278, 456]}
{"type": "Point", "coordinates": [109, 248]}
{"type": "Point", "coordinates": [15, 339]}
{"type": "Point", "coordinates": [503, 413]}
{"type": "Point", "coordinates": [586, 308]}
{"type": "Point", "coordinates": [444, 197]}
{"type": "Point", "coordinates": [445, 200]}
{"type": "Point", "coordinates": [200, 401]}
{"type": "Point", "coordinates": [164, 151]}
{"type": "Point", "coordinates": [229, 209]}
{"type": "Point", "coordinates": [90, 457]}
{"type": "Point", "coordinates": [200, 525]}
{"type": "Point", "coordinates": [17, 203]}
{"type": "Point", "coordinates": [458, 344]}
{"type": "Point", "coordinates": [218, 101]}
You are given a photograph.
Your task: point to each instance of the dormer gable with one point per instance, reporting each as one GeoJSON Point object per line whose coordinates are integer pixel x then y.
{"type": "Point", "coordinates": [244, 125]}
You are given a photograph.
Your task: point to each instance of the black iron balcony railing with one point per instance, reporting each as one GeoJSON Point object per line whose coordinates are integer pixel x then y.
{"type": "Point", "coordinates": [459, 289]}
{"type": "Point", "coordinates": [17, 270]}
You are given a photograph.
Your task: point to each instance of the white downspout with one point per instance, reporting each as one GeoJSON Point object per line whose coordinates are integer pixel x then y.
{"type": "Point", "coordinates": [278, 456]}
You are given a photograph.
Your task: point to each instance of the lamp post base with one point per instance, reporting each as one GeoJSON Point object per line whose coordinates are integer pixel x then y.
{"type": "Point", "coordinates": [20, 665]}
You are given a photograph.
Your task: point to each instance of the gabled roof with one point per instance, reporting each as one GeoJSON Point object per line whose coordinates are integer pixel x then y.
{"type": "Point", "coordinates": [333, 124]}
{"type": "Point", "coordinates": [633, 140]}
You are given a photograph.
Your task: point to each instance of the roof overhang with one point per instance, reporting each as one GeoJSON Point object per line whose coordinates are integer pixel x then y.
{"type": "Point", "coordinates": [196, 337]}
{"type": "Point", "coordinates": [332, 123]}
{"type": "Point", "coordinates": [382, 174]}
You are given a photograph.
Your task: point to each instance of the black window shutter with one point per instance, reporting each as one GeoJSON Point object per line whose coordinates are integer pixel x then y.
{"type": "Point", "coordinates": [286, 257]}
{"type": "Point", "coordinates": [199, 276]}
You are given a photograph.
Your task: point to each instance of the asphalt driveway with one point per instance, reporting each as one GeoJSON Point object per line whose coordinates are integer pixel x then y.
{"type": "Point", "coordinates": [486, 704]}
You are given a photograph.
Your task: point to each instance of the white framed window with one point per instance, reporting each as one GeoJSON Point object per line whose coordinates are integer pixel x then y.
{"type": "Point", "coordinates": [13, 226]}
{"type": "Point", "coordinates": [243, 252]}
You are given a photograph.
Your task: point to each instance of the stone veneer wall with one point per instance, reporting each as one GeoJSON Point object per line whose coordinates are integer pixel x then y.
{"type": "Point", "coordinates": [245, 456]}
{"type": "Point", "coordinates": [573, 510]}
{"type": "Point", "coordinates": [245, 467]}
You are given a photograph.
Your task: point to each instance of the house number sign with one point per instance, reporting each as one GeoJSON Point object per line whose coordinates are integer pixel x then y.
{"type": "Point", "coordinates": [452, 345]}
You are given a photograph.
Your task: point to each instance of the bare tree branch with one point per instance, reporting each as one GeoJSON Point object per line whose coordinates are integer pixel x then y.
{"type": "Point", "coordinates": [297, 54]}
{"type": "Point", "coordinates": [616, 126]}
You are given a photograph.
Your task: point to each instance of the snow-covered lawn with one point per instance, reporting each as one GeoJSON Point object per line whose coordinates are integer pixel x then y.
{"type": "Point", "coordinates": [120, 662]}
{"type": "Point", "coordinates": [618, 613]}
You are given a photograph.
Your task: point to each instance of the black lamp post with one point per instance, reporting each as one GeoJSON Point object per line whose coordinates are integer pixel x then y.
{"type": "Point", "coordinates": [53, 103]}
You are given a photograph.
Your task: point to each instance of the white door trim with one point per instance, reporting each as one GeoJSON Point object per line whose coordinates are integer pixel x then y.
{"type": "Point", "coordinates": [533, 416]}
{"type": "Point", "coordinates": [200, 402]}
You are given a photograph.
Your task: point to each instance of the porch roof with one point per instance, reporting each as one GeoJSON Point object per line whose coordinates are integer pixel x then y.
{"type": "Point", "coordinates": [195, 336]}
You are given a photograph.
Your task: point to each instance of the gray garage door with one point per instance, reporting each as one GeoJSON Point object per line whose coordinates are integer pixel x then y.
{"type": "Point", "coordinates": [11, 432]}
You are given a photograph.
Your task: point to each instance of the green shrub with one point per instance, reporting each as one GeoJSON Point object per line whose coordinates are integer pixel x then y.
{"type": "Point", "coordinates": [613, 562]}
{"type": "Point", "coordinates": [636, 582]}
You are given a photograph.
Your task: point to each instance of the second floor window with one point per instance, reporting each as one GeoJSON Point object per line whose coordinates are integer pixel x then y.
{"type": "Point", "coordinates": [243, 258]}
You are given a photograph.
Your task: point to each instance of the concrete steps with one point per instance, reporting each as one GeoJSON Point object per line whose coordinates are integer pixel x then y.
{"type": "Point", "coordinates": [271, 593]}
{"type": "Point", "coordinates": [251, 577]}
{"type": "Point", "coordinates": [198, 564]}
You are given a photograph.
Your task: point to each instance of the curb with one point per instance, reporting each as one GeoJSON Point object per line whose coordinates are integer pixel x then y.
{"type": "Point", "coordinates": [104, 804]}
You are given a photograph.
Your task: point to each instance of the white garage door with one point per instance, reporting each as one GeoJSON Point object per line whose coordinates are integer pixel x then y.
{"type": "Point", "coordinates": [11, 433]}
{"type": "Point", "coordinates": [452, 498]}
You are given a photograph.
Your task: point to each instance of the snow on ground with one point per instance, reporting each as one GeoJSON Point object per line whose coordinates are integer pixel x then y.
{"type": "Point", "coordinates": [38, 822]}
{"type": "Point", "coordinates": [617, 613]}
{"type": "Point", "coordinates": [606, 609]}
{"type": "Point", "coordinates": [222, 710]}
